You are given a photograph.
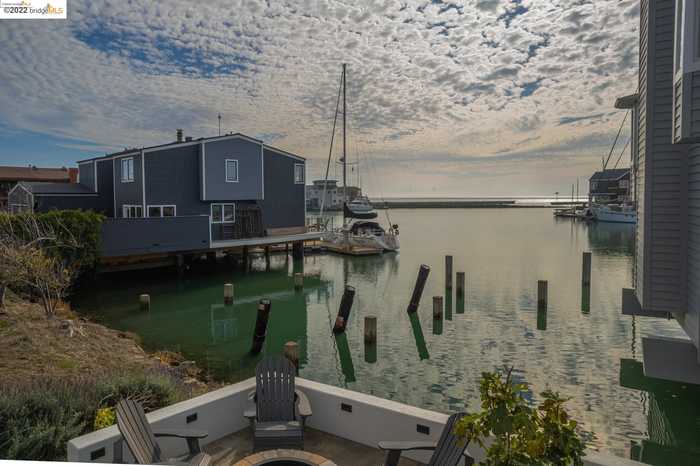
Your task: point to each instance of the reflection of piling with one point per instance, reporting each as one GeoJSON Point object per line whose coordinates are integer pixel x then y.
{"type": "Point", "coordinates": [246, 259]}
{"type": "Point", "coordinates": [418, 334]}
{"type": "Point", "coordinates": [261, 326]}
{"type": "Point", "coordinates": [542, 305]}
{"type": "Point", "coordinates": [586, 283]}
{"type": "Point", "coordinates": [291, 352]}
{"type": "Point", "coordinates": [437, 307]}
{"type": "Point", "coordinates": [145, 302]}
{"type": "Point", "coordinates": [461, 286]}
{"type": "Point", "coordinates": [437, 326]}
{"type": "Point", "coordinates": [448, 272]}
{"type": "Point", "coordinates": [344, 311]}
{"type": "Point", "coordinates": [267, 258]}
{"type": "Point", "coordinates": [423, 272]}
{"type": "Point", "coordinates": [298, 281]}
{"type": "Point", "coordinates": [345, 357]}
{"type": "Point", "coordinates": [448, 305]}
{"type": "Point", "coordinates": [228, 293]}
{"type": "Point", "coordinates": [370, 329]}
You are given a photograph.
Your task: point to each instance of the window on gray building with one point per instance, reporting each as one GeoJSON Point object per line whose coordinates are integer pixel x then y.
{"type": "Point", "coordinates": [299, 173]}
{"type": "Point", "coordinates": [128, 170]}
{"type": "Point", "coordinates": [161, 210]}
{"type": "Point", "coordinates": [132, 211]}
{"type": "Point", "coordinates": [223, 213]}
{"type": "Point", "coordinates": [231, 171]}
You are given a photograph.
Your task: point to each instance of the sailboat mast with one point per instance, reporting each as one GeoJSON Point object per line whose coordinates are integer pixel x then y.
{"type": "Point", "coordinates": [345, 160]}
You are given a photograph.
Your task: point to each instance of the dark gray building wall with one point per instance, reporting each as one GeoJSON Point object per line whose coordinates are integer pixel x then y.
{"type": "Point", "coordinates": [86, 172]}
{"type": "Point", "coordinates": [127, 236]}
{"type": "Point", "coordinates": [105, 187]}
{"type": "Point", "coordinates": [283, 205]}
{"type": "Point", "coordinates": [172, 178]}
{"type": "Point", "coordinates": [127, 193]}
{"type": "Point", "coordinates": [249, 185]}
{"type": "Point", "coordinates": [692, 317]}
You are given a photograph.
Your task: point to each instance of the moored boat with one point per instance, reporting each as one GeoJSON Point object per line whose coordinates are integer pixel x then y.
{"type": "Point", "coordinates": [614, 213]}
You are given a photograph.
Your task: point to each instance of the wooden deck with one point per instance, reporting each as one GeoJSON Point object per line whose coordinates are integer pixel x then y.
{"type": "Point", "coordinates": [350, 250]}
{"type": "Point", "coordinates": [232, 448]}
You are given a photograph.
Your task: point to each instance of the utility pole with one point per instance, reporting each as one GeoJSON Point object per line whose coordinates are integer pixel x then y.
{"type": "Point", "coordinates": [219, 124]}
{"type": "Point", "coordinates": [345, 160]}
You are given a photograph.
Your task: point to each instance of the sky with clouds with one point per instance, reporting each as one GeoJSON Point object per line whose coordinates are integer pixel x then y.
{"type": "Point", "coordinates": [445, 97]}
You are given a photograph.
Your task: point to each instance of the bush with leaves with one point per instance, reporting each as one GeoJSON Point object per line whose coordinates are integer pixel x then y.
{"type": "Point", "coordinates": [520, 434]}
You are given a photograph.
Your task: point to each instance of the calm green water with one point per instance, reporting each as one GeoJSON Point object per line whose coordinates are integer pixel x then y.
{"type": "Point", "coordinates": [592, 357]}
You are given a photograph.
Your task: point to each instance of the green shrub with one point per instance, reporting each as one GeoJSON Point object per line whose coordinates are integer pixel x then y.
{"type": "Point", "coordinates": [522, 435]}
{"type": "Point", "coordinates": [38, 419]}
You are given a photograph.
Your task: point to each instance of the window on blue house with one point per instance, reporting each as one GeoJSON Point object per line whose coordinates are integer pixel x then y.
{"type": "Point", "coordinates": [299, 173]}
{"type": "Point", "coordinates": [231, 171]}
{"type": "Point", "coordinates": [223, 213]}
{"type": "Point", "coordinates": [128, 170]}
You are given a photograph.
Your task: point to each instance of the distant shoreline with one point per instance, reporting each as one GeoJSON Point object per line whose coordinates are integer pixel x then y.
{"type": "Point", "coordinates": [465, 204]}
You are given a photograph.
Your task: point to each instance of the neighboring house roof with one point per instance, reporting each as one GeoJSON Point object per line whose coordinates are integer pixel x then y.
{"type": "Point", "coordinates": [610, 175]}
{"type": "Point", "coordinates": [39, 188]}
{"type": "Point", "coordinates": [628, 101]}
{"type": "Point", "coordinates": [190, 142]}
{"type": "Point", "coordinates": [35, 174]}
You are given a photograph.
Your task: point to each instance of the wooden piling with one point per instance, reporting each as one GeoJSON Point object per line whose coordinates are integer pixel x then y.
{"type": "Point", "coordinates": [460, 285]}
{"type": "Point", "coordinates": [298, 281]}
{"type": "Point", "coordinates": [448, 272]}
{"type": "Point", "coordinates": [586, 283]}
{"type": "Point", "coordinates": [423, 272]}
{"type": "Point", "coordinates": [291, 352]}
{"type": "Point", "coordinates": [542, 305]}
{"type": "Point", "coordinates": [437, 307]}
{"type": "Point", "coordinates": [370, 329]}
{"type": "Point", "coordinates": [260, 331]}
{"type": "Point", "coordinates": [344, 311]}
{"type": "Point", "coordinates": [298, 250]}
{"type": "Point", "coordinates": [228, 293]}
{"type": "Point", "coordinates": [145, 302]}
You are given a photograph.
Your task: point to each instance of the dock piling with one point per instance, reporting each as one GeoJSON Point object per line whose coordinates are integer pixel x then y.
{"type": "Point", "coordinates": [298, 250]}
{"type": "Point", "coordinates": [437, 307]}
{"type": "Point", "coordinates": [461, 287]}
{"type": "Point", "coordinates": [542, 304]}
{"type": "Point", "coordinates": [344, 311]}
{"type": "Point", "coordinates": [291, 352]}
{"type": "Point", "coordinates": [298, 281]}
{"type": "Point", "coordinates": [261, 321]}
{"type": "Point", "coordinates": [370, 329]}
{"type": "Point", "coordinates": [423, 272]}
{"type": "Point", "coordinates": [448, 272]}
{"type": "Point", "coordinates": [228, 293]}
{"type": "Point", "coordinates": [586, 283]}
{"type": "Point", "coordinates": [145, 302]}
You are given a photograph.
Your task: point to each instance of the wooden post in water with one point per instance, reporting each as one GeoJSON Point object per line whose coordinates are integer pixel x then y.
{"type": "Point", "coordinates": [370, 329]}
{"type": "Point", "coordinates": [211, 257]}
{"type": "Point", "coordinates": [344, 311]}
{"type": "Point", "coordinates": [586, 283]}
{"type": "Point", "coordinates": [298, 250]}
{"type": "Point", "coordinates": [448, 272]}
{"type": "Point", "coordinates": [228, 293]}
{"type": "Point", "coordinates": [542, 305]}
{"type": "Point", "coordinates": [260, 331]}
{"type": "Point", "coordinates": [246, 259]}
{"type": "Point", "coordinates": [461, 285]}
{"type": "Point", "coordinates": [145, 302]}
{"type": "Point", "coordinates": [267, 258]}
{"type": "Point", "coordinates": [423, 272]}
{"type": "Point", "coordinates": [437, 307]}
{"type": "Point", "coordinates": [298, 281]}
{"type": "Point", "coordinates": [291, 352]}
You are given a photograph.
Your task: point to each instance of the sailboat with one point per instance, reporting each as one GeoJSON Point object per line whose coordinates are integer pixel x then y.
{"type": "Point", "coordinates": [357, 232]}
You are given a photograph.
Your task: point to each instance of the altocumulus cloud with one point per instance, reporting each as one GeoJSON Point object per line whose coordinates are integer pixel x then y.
{"type": "Point", "coordinates": [460, 80]}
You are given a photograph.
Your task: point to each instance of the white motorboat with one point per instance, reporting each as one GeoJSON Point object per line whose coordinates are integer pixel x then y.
{"type": "Point", "coordinates": [615, 213]}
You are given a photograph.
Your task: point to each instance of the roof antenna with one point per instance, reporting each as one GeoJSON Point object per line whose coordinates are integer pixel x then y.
{"type": "Point", "coordinates": [219, 124]}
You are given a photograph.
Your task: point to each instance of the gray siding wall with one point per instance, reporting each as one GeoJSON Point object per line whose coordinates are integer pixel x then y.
{"type": "Point", "coordinates": [105, 186]}
{"type": "Point", "coordinates": [87, 174]}
{"type": "Point", "coordinates": [686, 108]}
{"type": "Point", "coordinates": [283, 205]}
{"type": "Point", "coordinates": [127, 193]}
{"type": "Point", "coordinates": [249, 185]}
{"type": "Point", "coordinates": [691, 319]}
{"type": "Point", "coordinates": [172, 177]}
{"type": "Point", "coordinates": [126, 236]}
{"type": "Point", "coordinates": [640, 243]}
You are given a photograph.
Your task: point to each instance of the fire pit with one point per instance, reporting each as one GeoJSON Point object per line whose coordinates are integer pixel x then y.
{"type": "Point", "coordinates": [284, 458]}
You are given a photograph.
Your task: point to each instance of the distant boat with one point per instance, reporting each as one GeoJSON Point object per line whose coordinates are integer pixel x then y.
{"type": "Point", "coordinates": [614, 213]}
{"type": "Point", "coordinates": [360, 208]}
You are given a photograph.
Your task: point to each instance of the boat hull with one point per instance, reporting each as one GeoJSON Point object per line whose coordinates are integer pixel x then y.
{"type": "Point", "coordinates": [614, 216]}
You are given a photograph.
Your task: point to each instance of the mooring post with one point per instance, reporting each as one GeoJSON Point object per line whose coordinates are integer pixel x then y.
{"type": "Point", "coordinates": [542, 305]}
{"type": "Point", "coordinates": [586, 283]}
{"type": "Point", "coordinates": [298, 281]}
{"type": "Point", "coordinates": [145, 302]}
{"type": "Point", "coordinates": [461, 287]}
{"type": "Point", "coordinates": [291, 352]}
{"type": "Point", "coordinates": [261, 326]}
{"type": "Point", "coordinates": [228, 293]}
{"type": "Point", "coordinates": [298, 250]}
{"type": "Point", "coordinates": [437, 307]}
{"type": "Point", "coordinates": [448, 272]}
{"type": "Point", "coordinates": [344, 311]}
{"type": "Point", "coordinates": [370, 329]}
{"type": "Point", "coordinates": [423, 272]}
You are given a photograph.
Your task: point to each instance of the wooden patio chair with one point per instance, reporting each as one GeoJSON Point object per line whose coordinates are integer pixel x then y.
{"type": "Point", "coordinates": [280, 410]}
{"type": "Point", "coordinates": [142, 443]}
{"type": "Point", "coordinates": [448, 451]}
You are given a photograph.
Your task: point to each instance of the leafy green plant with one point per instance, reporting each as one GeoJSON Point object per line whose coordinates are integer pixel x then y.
{"type": "Point", "coordinates": [104, 417]}
{"type": "Point", "coordinates": [518, 433]}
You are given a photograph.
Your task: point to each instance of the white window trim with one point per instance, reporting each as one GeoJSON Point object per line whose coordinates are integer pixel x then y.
{"type": "Point", "coordinates": [161, 207]}
{"type": "Point", "coordinates": [129, 206]}
{"type": "Point", "coordinates": [686, 37]}
{"type": "Point", "coordinates": [226, 170]}
{"type": "Point", "coordinates": [123, 177]}
{"type": "Point", "coordinates": [211, 213]}
{"type": "Point", "coordinates": [303, 173]}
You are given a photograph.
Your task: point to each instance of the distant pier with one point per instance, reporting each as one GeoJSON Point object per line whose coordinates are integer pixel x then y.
{"type": "Point", "coordinates": [471, 203]}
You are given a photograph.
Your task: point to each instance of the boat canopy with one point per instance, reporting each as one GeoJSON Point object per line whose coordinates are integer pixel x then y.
{"type": "Point", "coordinates": [349, 213]}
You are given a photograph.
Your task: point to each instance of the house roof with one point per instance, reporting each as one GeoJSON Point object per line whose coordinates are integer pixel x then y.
{"type": "Point", "coordinates": [169, 145]}
{"type": "Point", "coordinates": [34, 174]}
{"type": "Point", "coordinates": [610, 175]}
{"type": "Point", "coordinates": [628, 101]}
{"type": "Point", "coordinates": [39, 188]}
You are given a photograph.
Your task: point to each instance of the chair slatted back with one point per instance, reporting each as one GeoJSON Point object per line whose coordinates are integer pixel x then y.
{"type": "Point", "coordinates": [274, 390]}
{"type": "Point", "coordinates": [137, 433]}
{"type": "Point", "coordinates": [449, 448]}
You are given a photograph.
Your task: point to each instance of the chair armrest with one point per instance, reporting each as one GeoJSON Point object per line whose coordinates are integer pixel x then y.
{"type": "Point", "coordinates": [406, 446]}
{"type": "Point", "coordinates": [251, 395]}
{"type": "Point", "coordinates": [181, 433]}
{"type": "Point", "coordinates": [303, 404]}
